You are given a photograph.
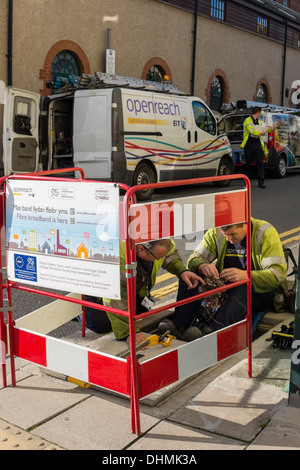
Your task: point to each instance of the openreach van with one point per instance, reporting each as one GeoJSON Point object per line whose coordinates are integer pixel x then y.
{"type": "Point", "coordinates": [116, 129]}
{"type": "Point", "coordinates": [283, 144]}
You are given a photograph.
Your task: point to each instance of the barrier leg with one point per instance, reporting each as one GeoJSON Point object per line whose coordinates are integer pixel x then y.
{"type": "Point", "coordinates": [3, 348]}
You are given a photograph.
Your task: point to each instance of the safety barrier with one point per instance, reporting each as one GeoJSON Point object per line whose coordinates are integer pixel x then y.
{"type": "Point", "coordinates": [138, 222]}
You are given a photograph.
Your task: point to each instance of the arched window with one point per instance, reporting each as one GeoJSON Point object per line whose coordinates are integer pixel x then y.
{"type": "Point", "coordinates": [155, 74]}
{"type": "Point", "coordinates": [216, 93]}
{"type": "Point", "coordinates": [262, 94]}
{"type": "Point", "coordinates": [64, 64]}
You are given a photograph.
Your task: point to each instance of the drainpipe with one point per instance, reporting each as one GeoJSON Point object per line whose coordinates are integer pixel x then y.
{"type": "Point", "coordinates": [284, 63]}
{"type": "Point", "coordinates": [9, 42]}
{"type": "Point", "coordinates": [194, 47]}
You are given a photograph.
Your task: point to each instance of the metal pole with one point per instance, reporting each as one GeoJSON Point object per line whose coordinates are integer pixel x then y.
{"type": "Point", "coordinates": [9, 42]}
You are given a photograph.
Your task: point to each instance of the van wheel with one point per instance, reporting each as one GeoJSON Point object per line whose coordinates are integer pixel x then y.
{"type": "Point", "coordinates": [225, 168]}
{"type": "Point", "coordinates": [144, 174]}
{"type": "Point", "coordinates": [281, 167]}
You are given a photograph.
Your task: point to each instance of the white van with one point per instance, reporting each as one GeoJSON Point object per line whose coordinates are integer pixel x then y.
{"type": "Point", "coordinates": [115, 129]}
{"type": "Point", "coordinates": [283, 144]}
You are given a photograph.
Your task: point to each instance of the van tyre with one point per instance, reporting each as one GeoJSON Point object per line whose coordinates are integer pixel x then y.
{"type": "Point", "coordinates": [281, 167]}
{"type": "Point", "coordinates": [225, 168]}
{"type": "Point", "coordinates": [144, 174]}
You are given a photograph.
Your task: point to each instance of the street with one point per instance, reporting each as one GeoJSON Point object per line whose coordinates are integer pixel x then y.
{"type": "Point", "coordinates": [278, 204]}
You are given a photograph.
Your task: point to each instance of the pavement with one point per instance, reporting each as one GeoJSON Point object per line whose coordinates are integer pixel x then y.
{"type": "Point", "coordinates": [219, 409]}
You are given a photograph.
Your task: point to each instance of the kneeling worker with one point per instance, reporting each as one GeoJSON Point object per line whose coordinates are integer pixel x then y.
{"type": "Point", "coordinates": [151, 256]}
{"type": "Point", "coordinates": [226, 246]}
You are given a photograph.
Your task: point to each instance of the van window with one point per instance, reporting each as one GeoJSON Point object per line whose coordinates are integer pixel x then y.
{"type": "Point", "coordinates": [204, 118]}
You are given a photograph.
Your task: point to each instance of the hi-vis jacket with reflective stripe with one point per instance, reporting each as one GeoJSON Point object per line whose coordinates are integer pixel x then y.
{"type": "Point", "coordinates": [269, 265]}
{"type": "Point", "coordinates": [249, 129]}
{"type": "Point", "coordinates": [172, 263]}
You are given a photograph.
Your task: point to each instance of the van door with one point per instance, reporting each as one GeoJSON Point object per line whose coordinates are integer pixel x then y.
{"type": "Point", "coordinates": [207, 143]}
{"type": "Point", "coordinates": [177, 159]}
{"type": "Point", "coordinates": [92, 139]}
{"type": "Point", "coordinates": [20, 131]}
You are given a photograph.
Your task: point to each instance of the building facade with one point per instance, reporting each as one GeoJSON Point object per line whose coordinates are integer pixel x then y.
{"type": "Point", "coordinates": [219, 50]}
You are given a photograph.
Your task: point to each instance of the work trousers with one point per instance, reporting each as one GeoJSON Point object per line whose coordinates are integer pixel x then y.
{"type": "Point", "coordinates": [254, 152]}
{"type": "Point", "coordinates": [231, 311]}
{"type": "Point", "coordinates": [98, 321]}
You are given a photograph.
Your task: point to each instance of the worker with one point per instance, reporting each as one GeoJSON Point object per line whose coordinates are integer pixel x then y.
{"type": "Point", "coordinates": [254, 145]}
{"type": "Point", "coordinates": [222, 254]}
{"type": "Point", "coordinates": [151, 256]}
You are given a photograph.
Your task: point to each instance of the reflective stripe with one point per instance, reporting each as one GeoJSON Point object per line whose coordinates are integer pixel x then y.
{"type": "Point", "coordinates": [260, 233]}
{"type": "Point", "coordinates": [272, 260]}
{"type": "Point", "coordinates": [280, 278]}
{"type": "Point", "coordinates": [205, 253]}
{"type": "Point", "coordinates": [170, 258]}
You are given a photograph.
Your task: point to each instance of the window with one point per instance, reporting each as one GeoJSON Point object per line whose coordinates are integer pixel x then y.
{"type": "Point", "coordinates": [262, 26]}
{"type": "Point", "coordinates": [64, 64]}
{"type": "Point", "coordinates": [262, 94]}
{"type": "Point", "coordinates": [217, 9]}
{"type": "Point", "coordinates": [203, 118]}
{"type": "Point", "coordinates": [155, 74]}
{"type": "Point", "coordinates": [216, 93]}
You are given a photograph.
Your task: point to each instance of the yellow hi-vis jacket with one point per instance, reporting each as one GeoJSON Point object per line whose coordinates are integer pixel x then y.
{"type": "Point", "coordinates": [269, 265]}
{"type": "Point", "coordinates": [172, 263]}
{"type": "Point", "coordinates": [249, 129]}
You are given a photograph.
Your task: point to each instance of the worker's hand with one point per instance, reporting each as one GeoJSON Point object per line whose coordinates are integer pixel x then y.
{"type": "Point", "coordinates": [233, 274]}
{"type": "Point", "coordinates": [263, 132]}
{"type": "Point", "coordinates": [208, 270]}
{"type": "Point", "coordinates": [191, 279]}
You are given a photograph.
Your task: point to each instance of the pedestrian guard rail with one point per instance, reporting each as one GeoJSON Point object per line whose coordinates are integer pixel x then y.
{"type": "Point", "coordinates": [29, 340]}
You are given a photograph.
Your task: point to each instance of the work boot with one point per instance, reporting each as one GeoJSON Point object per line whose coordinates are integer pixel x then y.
{"type": "Point", "coordinates": [168, 325]}
{"type": "Point", "coordinates": [206, 330]}
{"type": "Point", "coordinates": [191, 334]}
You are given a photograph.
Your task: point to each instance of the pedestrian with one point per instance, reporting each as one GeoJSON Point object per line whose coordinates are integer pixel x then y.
{"type": "Point", "coordinates": [150, 257]}
{"type": "Point", "coordinates": [222, 255]}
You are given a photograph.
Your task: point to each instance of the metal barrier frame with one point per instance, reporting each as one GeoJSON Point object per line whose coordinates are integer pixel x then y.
{"type": "Point", "coordinates": [126, 376]}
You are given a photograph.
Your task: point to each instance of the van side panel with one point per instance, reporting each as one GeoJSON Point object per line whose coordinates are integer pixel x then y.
{"type": "Point", "coordinates": [92, 139]}
{"type": "Point", "coordinates": [177, 158]}
{"type": "Point", "coordinates": [140, 130]}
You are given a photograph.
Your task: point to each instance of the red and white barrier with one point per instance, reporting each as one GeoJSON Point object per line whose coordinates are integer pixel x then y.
{"type": "Point", "coordinates": [192, 358]}
{"type": "Point", "coordinates": [84, 364]}
{"type": "Point", "coordinates": [186, 215]}
{"type": "Point", "coordinates": [143, 222]}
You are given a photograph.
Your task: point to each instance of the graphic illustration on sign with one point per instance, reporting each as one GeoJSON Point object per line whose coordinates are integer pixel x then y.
{"type": "Point", "coordinates": [64, 235]}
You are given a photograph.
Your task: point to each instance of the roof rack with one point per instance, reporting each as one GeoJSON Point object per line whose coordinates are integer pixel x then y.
{"type": "Point", "coordinates": [104, 80]}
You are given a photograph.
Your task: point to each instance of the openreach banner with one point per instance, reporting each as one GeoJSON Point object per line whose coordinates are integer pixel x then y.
{"type": "Point", "coordinates": [64, 235]}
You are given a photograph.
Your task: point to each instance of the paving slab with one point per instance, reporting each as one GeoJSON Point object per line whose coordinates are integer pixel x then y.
{"type": "Point", "coordinates": [36, 399]}
{"type": "Point", "coordinates": [232, 406]}
{"type": "Point", "coordinates": [95, 424]}
{"type": "Point", "coordinates": [171, 436]}
{"type": "Point", "coordinates": [282, 433]}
